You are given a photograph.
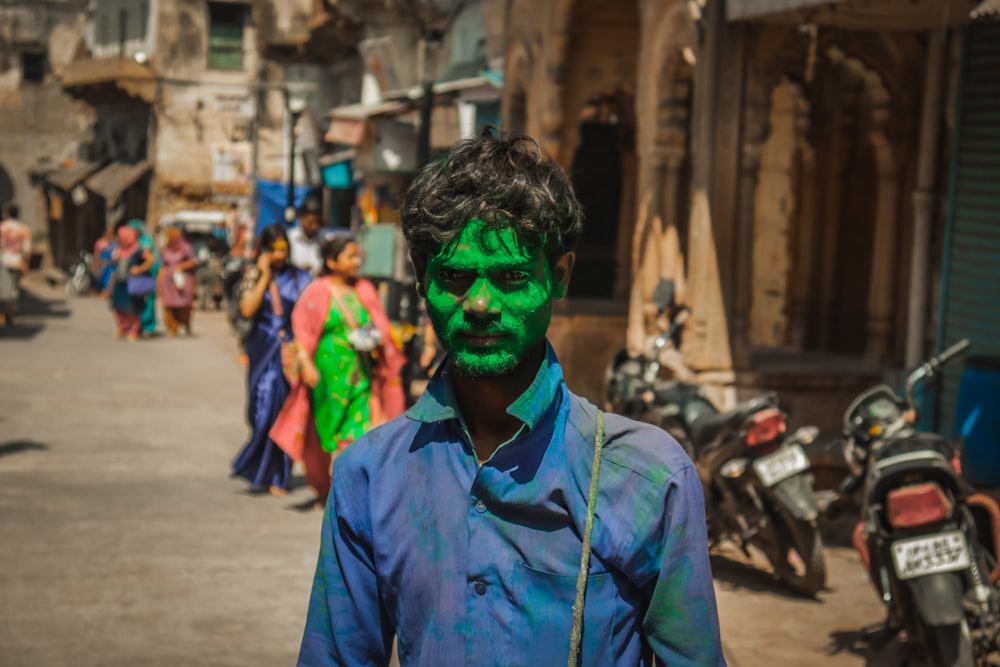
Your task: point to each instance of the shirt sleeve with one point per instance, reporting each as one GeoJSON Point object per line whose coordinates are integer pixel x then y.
{"type": "Point", "coordinates": [346, 625]}
{"type": "Point", "coordinates": [682, 621]}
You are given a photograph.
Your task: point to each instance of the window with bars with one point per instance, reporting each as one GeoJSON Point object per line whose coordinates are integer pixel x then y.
{"type": "Point", "coordinates": [225, 35]}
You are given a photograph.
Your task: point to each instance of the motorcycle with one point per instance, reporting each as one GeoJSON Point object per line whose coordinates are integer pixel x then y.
{"type": "Point", "coordinates": [209, 278]}
{"type": "Point", "coordinates": [758, 489]}
{"type": "Point", "coordinates": [926, 540]}
{"type": "Point", "coordinates": [79, 281]}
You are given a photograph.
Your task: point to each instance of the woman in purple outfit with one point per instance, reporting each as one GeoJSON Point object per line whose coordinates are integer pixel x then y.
{"type": "Point", "coordinates": [178, 263]}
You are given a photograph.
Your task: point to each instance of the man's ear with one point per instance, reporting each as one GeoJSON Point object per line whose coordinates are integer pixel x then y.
{"type": "Point", "coordinates": [561, 274]}
{"type": "Point", "coordinates": [420, 271]}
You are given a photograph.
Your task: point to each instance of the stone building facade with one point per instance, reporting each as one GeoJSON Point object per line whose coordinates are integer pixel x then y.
{"type": "Point", "coordinates": [768, 166]}
{"type": "Point", "coordinates": [41, 127]}
{"type": "Point", "coordinates": [197, 98]}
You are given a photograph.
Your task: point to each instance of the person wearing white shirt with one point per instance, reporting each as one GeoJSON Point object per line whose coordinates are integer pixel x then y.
{"type": "Point", "coordinates": [304, 239]}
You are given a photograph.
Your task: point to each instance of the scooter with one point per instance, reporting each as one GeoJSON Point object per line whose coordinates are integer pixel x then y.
{"type": "Point", "coordinates": [80, 280]}
{"type": "Point", "coordinates": [927, 541]}
{"type": "Point", "coordinates": [758, 489]}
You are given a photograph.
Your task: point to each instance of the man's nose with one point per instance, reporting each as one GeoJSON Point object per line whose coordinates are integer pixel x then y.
{"type": "Point", "coordinates": [480, 301]}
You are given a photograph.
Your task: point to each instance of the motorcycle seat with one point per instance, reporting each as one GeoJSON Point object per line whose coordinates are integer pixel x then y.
{"type": "Point", "coordinates": [710, 426]}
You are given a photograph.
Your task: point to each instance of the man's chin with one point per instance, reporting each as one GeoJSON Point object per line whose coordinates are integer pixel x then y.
{"type": "Point", "coordinates": [484, 366]}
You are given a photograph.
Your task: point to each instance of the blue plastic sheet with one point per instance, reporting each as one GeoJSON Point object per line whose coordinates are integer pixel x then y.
{"type": "Point", "coordinates": [272, 197]}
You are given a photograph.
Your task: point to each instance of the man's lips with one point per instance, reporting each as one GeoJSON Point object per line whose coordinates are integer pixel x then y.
{"type": "Point", "coordinates": [482, 337]}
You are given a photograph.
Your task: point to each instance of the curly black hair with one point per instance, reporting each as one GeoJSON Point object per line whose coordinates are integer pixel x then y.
{"type": "Point", "coordinates": [502, 179]}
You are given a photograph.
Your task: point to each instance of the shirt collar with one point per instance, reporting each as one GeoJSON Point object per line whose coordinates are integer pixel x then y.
{"type": "Point", "coordinates": [438, 402]}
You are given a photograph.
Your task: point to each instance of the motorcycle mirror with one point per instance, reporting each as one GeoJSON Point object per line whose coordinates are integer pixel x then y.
{"type": "Point", "coordinates": [663, 295]}
{"type": "Point", "coordinates": [805, 435]}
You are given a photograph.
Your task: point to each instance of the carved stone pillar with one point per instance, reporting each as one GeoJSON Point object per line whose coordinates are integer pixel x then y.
{"type": "Point", "coordinates": [884, 252]}
{"type": "Point", "coordinates": [749, 167]}
{"type": "Point", "coordinates": [802, 302]}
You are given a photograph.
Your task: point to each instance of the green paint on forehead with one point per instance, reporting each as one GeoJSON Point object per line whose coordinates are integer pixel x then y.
{"type": "Point", "coordinates": [480, 245]}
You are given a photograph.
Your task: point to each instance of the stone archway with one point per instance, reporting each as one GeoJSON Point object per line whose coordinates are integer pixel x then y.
{"type": "Point", "coordinates": [886, 221]}
{"type": "Point", "coordinates": [664, 135]}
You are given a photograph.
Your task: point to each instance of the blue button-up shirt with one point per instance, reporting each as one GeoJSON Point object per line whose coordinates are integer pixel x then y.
{"type": "Point", "coordinates": [473, 564]}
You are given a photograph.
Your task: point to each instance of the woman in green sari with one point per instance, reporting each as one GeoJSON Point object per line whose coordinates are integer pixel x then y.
{"type": "Point", "coordinates": [345, 368]}
{"type": "Point", "coordinates": [148, 314]}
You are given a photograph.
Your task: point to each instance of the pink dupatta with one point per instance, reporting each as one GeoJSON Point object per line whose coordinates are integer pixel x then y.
{"type": "Point", "coordinates": [294, 429]}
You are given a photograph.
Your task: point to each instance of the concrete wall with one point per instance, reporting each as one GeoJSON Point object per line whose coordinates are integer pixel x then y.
{"type": "Point", "coordinates": [39, 124]}
{"type": "Point", "coordinates": [201, 108]}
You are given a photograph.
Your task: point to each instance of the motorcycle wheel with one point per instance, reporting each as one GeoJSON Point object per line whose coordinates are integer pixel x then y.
{"type": "Point", "coordinates": [949, 645]}
{"type": "Point", "coordinates": [798, 560]}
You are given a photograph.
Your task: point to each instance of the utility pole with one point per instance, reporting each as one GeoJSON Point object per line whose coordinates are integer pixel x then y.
{"type": "Point", "coordinates": [295, 105]}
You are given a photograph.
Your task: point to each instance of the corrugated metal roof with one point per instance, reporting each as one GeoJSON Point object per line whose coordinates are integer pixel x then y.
{"type": "Point", "coordinates": [116, 178]}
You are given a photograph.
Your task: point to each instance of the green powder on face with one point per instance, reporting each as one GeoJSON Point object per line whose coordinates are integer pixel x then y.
{"type": "Point", "coordinates": [490, 299]}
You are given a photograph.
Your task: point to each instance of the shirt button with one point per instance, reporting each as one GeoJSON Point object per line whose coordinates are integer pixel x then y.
{"type": "Point", "coordinates": [481, 506]}
{"type": "Point", "coordinates": [480, 588]}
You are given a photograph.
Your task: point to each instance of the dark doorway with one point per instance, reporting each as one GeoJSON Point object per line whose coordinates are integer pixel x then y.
{"type": "Point", "coordinates": [597, 178]}
{"type": "Point", "coordinates": [6, 188]}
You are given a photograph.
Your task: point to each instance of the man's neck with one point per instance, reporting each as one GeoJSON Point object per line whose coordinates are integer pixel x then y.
{"type": "Point", "coordinates": [483, 403]}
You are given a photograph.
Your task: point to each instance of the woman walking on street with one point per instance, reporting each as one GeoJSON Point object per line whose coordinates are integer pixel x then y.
{"type": "Point", "coordinates": [177, 281]}
{"type": "Point", "coordinates": [129, 281]}
{"type": "Point", "coordinates": [148, 315]}
{"type": "Point", "coordinates": [268, 298]}
{"type": "Point", "coordinates": [349, 379]}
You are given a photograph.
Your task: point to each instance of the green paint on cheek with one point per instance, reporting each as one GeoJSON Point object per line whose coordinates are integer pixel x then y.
{"type": "Point", "coordinates": [489, 299]}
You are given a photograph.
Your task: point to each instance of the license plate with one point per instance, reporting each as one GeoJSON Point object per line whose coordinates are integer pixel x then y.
{"type": "Point", "coordinates": [782, 464]}
{"type": "Point", "coordinates": [941, 552]}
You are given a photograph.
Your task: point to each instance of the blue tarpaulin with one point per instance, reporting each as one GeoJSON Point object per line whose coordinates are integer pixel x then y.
{"type": "Point", "coordinates": [272, 197]}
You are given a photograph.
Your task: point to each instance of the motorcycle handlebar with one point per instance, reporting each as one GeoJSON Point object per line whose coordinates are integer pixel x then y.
{"type": "Point", "coordinates": [929, 369]}
{"type": "Point", "coordinates": [949, 354]}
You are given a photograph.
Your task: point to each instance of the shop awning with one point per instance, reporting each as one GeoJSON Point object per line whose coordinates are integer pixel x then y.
{"type": "Point", "coordinates": [745, 9]}
{"type": "Point", "coordinates": [347, 123]}
{"type": "Point", "coordinates": [854, 14]}
{"type": "Point", "coordinates": [67, 176]}
{"type": "Point", "coordinates": [116, 178]}
{"type": "Point", "coordinates": [103, 79]}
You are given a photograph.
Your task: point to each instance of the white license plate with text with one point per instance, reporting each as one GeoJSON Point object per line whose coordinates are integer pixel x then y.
{"type": "Point", "coordinates": [919, 556]}
{"type": "Point", "coordinates": [782, 464]}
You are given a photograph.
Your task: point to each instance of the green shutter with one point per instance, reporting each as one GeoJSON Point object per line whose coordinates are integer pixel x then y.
{"type": "Point", "coordinates": [225, 36]}
{"type": "Point", "coordinates": [970, 296]}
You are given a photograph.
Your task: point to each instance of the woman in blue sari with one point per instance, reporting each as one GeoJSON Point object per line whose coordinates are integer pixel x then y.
{"type": "Point", "coordinates": [270, 294]}
{"type": "Point", "coordinates": [148, 316]}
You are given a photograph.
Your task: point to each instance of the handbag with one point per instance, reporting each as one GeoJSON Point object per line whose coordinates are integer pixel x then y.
{"type": "Point", "coordinates": [588, 529]}
{"type": "Point", "coordinates": [364, 340]}
{"type": "Point", "coordinates": [291, 366]}
{"type": "Point", "coordinates": [141, 285]}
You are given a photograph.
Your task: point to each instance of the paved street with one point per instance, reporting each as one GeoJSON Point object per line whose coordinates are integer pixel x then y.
{"type": "Point", "coordinates": [124, 542]}
{"type": "Point", "coordinates": [122, 539]}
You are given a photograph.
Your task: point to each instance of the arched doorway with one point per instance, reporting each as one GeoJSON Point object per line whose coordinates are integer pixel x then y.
{"type": "Point", "coordinates": [597, 138]}
{"type": "Point", "coordinates": [599, 171]}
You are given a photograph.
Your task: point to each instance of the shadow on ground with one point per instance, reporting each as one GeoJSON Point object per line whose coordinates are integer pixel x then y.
{"type": "Point", "coordinates": [30, 310]}
{"type": "Point", "coordinates": [737, 573]}
{"type": "Point", "coordinates": [877, 649]}
{"type": "Point", "coordinates": [20, 446]}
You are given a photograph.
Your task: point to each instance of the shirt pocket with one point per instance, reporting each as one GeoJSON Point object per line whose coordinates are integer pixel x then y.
{"type": "Point", "coordinates": [543, 617]}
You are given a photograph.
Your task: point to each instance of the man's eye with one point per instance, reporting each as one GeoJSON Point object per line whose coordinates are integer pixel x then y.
{"type": "Point", "coordinates": [451, 275]}
{"type": "Point", "coordinates": [513, 277]}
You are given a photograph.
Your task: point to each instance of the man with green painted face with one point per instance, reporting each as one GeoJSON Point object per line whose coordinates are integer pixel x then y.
{"type": "Point", "coordinates": [459, 527]}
